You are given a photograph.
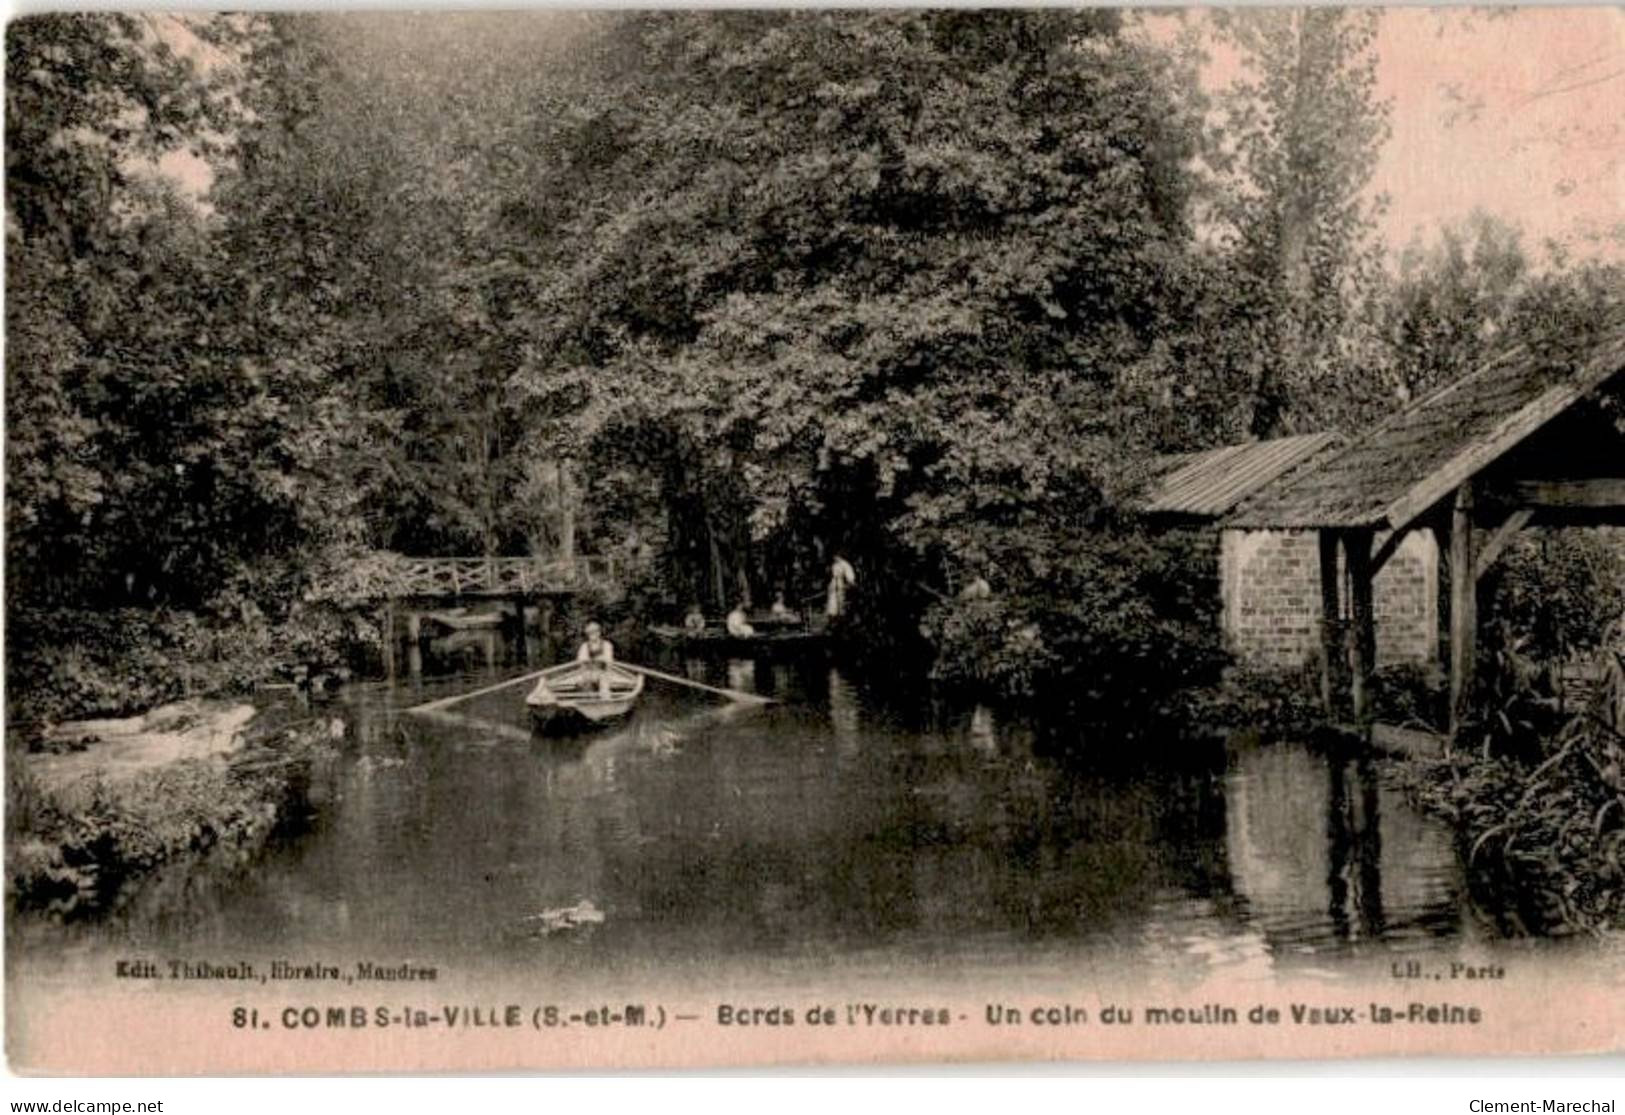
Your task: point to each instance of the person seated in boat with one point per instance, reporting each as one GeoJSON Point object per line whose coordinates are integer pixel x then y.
{"type": "Point", "coordinates": [780, 611]}
{"type": "Point", "coordinates": [739, 622]}
{"type": "Point", "coordinates": [596, 656]}
{"type": "Point", "coordinates": [694, 622]}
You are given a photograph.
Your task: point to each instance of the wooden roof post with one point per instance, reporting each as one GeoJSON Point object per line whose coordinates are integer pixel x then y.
{"type": "Point", "coordinates": [1331, 641]}
{"type": "Point", "coordinates": [386, 625]}
{"type": "Point", "coordinates": [1463, 605]}
{"type": "Point", "coordinates": [1357, 555]}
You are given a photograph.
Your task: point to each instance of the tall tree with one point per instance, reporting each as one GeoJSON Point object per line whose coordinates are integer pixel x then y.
{"type": "Point", "coordinates": [851, 252]}
{"type": "Point", "coordinates": [1300, 134]}
{"type": "Point", "coordinates": [94, 243]}
{"type": "Point", "coordinates": [363, 189]}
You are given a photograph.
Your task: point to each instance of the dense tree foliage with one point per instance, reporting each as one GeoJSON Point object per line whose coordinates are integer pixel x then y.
{"type": "Point", "coordinates": [91, 248]}
{"type": "Point", "coordinates": [918, 271]}
{"type": "Point", "coordinates": [738, 290]}
{"type": "Point", "coordinates": [1461, 301]}
{"type": "Point", "coordinates": [1294, 147]}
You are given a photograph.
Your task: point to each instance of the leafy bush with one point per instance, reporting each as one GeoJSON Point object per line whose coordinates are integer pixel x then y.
{"type": "Point", "coordinates": [1556, 592]}
{"type": "Point", "coordinates": [1119, 622]}
{"type": "Point", "coordinates": [1542, 810]}
{"type": "Point", "coordinates": [991, 646]}
{"type": "Point", "coordinates": [1277, 703]}
{"type": "Point", "coordinates": [1409, 694]}
{"type": "Point", "coordinates": [67, 663]}
{"type": "Point", "coordinates": [62, 663]}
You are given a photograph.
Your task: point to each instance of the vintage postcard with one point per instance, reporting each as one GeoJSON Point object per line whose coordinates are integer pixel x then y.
{"type": "Point", "coordinates": [619, 539]}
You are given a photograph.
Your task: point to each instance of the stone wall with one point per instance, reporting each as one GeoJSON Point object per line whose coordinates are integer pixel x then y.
{"type": "Point", "coordinates": [1271, 588]}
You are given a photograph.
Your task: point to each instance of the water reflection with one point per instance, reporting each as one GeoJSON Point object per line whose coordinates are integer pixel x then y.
{"type": "Point", "coordinates": [832, 828]}
{"type": "Point", "coordinates": [842, 705]}
{"type": "Point", "coordinates": [1325, 855]}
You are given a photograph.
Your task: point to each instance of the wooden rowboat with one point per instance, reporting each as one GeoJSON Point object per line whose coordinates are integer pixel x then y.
{"type": "Point", "coordinates": [769, 637]}
{"type": "Point", "coordinates": [461, 619]}
{"type": "Point", "coordinates": [570, 697]}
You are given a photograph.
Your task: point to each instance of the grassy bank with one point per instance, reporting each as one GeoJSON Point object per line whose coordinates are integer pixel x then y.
{"type": "Point", "coordinates": [70, 663]}
{"type": "Point", "coordinates": [83, 827]}
{"type": "Point", "coordinates": [1543, 846]}
{"type": "Point", "coordinates": [1535, 787]}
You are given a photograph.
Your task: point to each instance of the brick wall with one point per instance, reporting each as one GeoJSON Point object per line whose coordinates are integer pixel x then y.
{"type": "Point", "coordinates": [1406, 600]}
{"type": "Point", "coordinates": [1271, 587]}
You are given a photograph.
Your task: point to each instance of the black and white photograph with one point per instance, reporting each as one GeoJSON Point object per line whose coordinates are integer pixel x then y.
{"type": "Point", "coordinates": [640, 539]}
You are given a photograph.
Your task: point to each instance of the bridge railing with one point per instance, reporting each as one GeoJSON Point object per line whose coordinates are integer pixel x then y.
{"type": "Point", "coordinates": [385, 576]}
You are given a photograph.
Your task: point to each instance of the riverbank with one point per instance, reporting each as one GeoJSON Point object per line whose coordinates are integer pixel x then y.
{"type": "Point", "coordinates": [96, 805]}
{"type": "Point", "coordinates": [1539, 826]}
{"type": "Point", "coordinates": [65, 664]}
{"type": "Point", "coordinates": [1543, 846]}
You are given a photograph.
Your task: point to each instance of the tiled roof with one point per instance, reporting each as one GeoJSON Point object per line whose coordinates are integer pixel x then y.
{"type": "Point", "coordinates": [1406, 464]}
{"type": "Point", "coordinates": [1211, 483]}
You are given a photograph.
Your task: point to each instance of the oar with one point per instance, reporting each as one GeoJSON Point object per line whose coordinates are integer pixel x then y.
{"type": "Point", "coordinates": [732, 694]}
{"type": "Point", "coordinates": [505, 731]}
{"type": "Point", "coordinates": [443, 702]}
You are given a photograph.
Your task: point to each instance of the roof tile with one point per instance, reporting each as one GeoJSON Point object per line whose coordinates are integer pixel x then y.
{"type": "Point", "coordinates": [1357, 484]}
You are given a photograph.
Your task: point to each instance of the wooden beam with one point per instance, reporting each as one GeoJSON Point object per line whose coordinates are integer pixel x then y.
{"type": "Point", "coordinates": [386, 623]}
{"type": "Point", "coordinates": [1389, 547]}
{"type": "Point", "coordinates": [1601, 492]}
{"type": "Point", "coordinates": [1330, 616]}
{"type": "Point", "coordinates": [1463, 606]}
{"type": "Point", "coordinates": [1363, 644]}
{"type": "Point", "coordinates": [1474, 457]}
{"type": "Point", "coordinates": [1499, 539]}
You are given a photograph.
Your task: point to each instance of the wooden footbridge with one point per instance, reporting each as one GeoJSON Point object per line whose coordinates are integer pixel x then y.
{"type": "Point", "coordinates": [407, 590]}
{"type": "Point", "coordinates": [384, 577]}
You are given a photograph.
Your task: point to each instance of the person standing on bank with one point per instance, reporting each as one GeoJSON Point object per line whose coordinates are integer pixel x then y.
{"type": "Point", "coordinates": [841, 578]}
{"type": "Point", "coordinates": [596, 655]}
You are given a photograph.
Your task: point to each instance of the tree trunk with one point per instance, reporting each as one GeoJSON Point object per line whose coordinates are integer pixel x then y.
{"type": "Point", "coordinates": [567, 514]}
{"type": "Point", "coordinates": [719, 586]}
{"type": "Point", "coordinates": [1463, 607]}
{"type": "Point", "coordinates": [488, 509]}
{"type": "Point", "coordinates": [1295, 217]}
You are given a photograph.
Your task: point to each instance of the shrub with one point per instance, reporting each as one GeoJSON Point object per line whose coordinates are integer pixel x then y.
{"type": "Point", "coordinates": [1409, 694]}
{"type": "Point", "coordinates": [1119, 622]}
{"type": "Point", "coordinates": [1277, 703]}
{"type": "Point", "coordinates": [1556, 592]}
{"type": "Point", "coordinates": [1541, 805]}
{"type": "Point", "coordinates": [68, 663]}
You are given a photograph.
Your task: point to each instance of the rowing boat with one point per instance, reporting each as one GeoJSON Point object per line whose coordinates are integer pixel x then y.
{"type": "Point", "coordinates": [461, 619]}
{"type": "Point", "coordinates": [573, 697]}
{"type": "Point", "coordinates": [767, 638]}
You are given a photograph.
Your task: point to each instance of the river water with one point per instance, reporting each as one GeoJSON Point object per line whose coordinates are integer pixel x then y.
{"type": "Point", "coordinates": [840, 832]}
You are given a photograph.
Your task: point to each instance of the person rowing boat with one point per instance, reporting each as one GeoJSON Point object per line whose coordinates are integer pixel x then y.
{"type": "Point", "coordinates": [596, 655]}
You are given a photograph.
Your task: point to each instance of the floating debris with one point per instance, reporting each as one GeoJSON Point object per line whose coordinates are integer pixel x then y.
{"type": "Point", "coordinates": [379, 762]}
{"type": "Point", "coordinates": [563, 918]}
{"type": "Point", "coordinates": [662, 742]}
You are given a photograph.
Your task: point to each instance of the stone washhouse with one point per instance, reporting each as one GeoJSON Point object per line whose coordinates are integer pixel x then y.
{"type": "Point", "coordinates": [1270, 578]}
{"type": "Point", "coordinates": [1351, 553]}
